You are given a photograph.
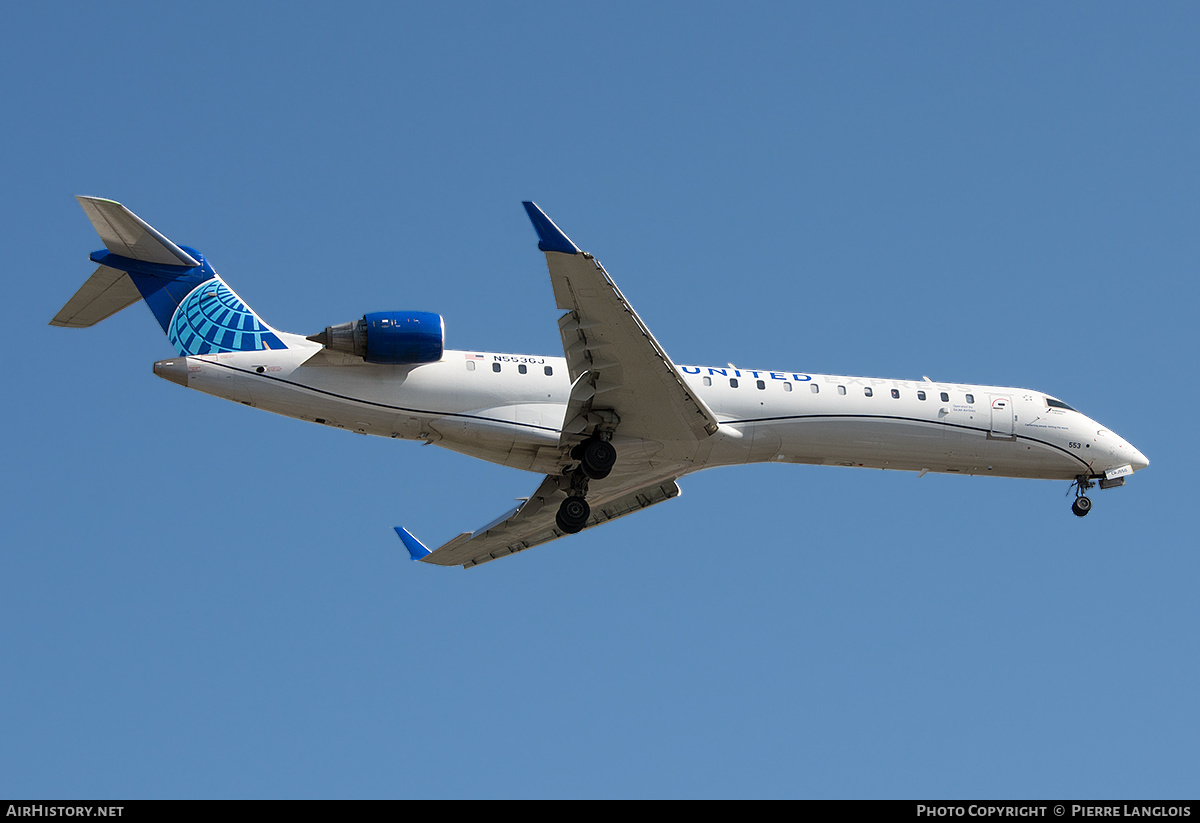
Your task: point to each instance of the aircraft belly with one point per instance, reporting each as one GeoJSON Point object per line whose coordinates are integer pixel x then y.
{"type": "Point", "coordinates": [856, 441]}
{"type": "Point", "coordinates": [204, 375]}
{"type": "Point", "coordinates": [510, 435]}
{"type": "Point", "coordinates": [913, 445]}
{"type": "Point", "coordinates": [363, 418]}
{"type": "Point", "coordinates": [512, 454]}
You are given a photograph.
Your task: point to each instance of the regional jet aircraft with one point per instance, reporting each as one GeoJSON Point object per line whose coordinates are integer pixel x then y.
{"type": "Point", "coordinates": [612, 423]}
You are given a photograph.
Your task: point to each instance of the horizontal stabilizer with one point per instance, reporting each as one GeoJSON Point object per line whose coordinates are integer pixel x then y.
{"type": "Point", "coordinates": [104, 294]}
{"type": "Point", "coordinates": [126, 234]}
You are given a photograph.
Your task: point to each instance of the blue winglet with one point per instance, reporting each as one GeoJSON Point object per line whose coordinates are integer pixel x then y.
{"type": "Point", "coordinates": [550, 236]}
{"type": "Point", "coordinates": [415, 547]}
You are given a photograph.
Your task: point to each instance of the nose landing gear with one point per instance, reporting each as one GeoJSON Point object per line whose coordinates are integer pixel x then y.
{"type": "Point", "coordinates": [1082, 504]}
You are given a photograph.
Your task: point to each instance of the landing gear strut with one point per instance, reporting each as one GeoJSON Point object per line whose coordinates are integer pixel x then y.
{"type": "Point", "coordinates": [1082, 504]}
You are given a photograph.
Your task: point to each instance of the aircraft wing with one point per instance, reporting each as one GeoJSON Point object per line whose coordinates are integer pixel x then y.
{"type": "Point", "coordinates": [622, 382]}
{"type": "Point", "coordinates": [532, 523]}
{"type": "Point", "coordinates": [616, 365]}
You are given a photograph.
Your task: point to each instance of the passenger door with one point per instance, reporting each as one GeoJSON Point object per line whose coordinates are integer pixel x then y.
{"type": "Point", "coordinates": [1002, 418]}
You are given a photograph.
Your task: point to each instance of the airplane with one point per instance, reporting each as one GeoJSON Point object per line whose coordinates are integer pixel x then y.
{"type": "Point", "coordinates": [612, 423]}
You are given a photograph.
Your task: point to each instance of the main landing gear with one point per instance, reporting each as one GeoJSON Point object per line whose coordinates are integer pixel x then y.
{"type": "Point", "coordinates": [1082, 504]}
{"type": "Point", "coordinates": [596, 458]}
{"type": "Point", "coordinates": [573, 515]}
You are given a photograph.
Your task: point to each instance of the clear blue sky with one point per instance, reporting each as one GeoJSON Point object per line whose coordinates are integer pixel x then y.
{"type": "Point", "coordinates": [997, 193]}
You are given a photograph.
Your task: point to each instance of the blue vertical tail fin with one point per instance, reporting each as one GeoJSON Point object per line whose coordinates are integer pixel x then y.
{"type": "Point", "coordinates": [199, 313]}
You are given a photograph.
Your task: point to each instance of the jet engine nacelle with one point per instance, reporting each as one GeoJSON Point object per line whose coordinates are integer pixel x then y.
{"type": "Point", "coordinates": [389, 337]}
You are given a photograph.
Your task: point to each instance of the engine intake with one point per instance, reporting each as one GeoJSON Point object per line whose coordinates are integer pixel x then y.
{"type": "Point", "coordinates": [389, 337]}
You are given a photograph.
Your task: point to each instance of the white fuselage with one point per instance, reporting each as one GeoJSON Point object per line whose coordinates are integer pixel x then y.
{"type": "Point", "coordinates": [509, 409]}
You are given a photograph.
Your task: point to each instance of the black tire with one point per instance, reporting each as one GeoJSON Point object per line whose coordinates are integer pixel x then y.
{"type": "Point", "coordinates": [597, 458]}
{"type": "Point", "coordinates": [1081, 506]}
{"type": "Point", "coordinates": [573, 515]}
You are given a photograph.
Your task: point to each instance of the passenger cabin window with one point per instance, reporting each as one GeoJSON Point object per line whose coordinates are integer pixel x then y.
{"type": "Point", "coordinates": [787, 386]}
{"type": "Point", "coordinates": [470, 365]}
{"type": "Point", "coordinates": [815, 388]}
{"type": "Point", "coordinates": [868, 392]}
{"type": "Point", "coordinates": [945, 397]}
{"type": "Point", "coordinates": [523, 369]}
{"type": "Point", "coordinates": [841, 389]}
{"type": "Point", "coordinates": [707, 380]}
{"type": "Point", "coordinates": [896, 394]}
{"type": "Point", "coordinates": [970, 398]}
{"type": "Point", "coordinates": [1057, 404]}
{"type": "Point", "coordinates": [761, 384]}
{"type": "Point", "coordinates": [549, 370]}
{"type": "Point", "coordinates": [495, 367]}
{"type": "Point", "coordinates": [733, 382]}
{"type": "Point", "coordinates": [920, 395]}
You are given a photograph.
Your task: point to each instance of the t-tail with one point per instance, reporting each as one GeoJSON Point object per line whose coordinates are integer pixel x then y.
{"type": "Point", "coordinates": [199, 313]}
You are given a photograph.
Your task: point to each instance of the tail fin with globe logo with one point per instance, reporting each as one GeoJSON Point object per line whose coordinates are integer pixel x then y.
{"type": "Point", "coordinates": [199, 313]}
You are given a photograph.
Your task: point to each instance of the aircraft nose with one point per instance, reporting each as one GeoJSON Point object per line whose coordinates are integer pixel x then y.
{"type": "Point", "coordinates": [1137, 459]}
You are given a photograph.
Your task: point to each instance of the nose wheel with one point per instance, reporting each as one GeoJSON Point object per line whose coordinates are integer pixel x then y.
{"type": "Point", "coordinates": [1082, 504]}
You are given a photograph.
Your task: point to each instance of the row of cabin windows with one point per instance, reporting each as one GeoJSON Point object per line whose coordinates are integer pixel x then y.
{"type": "Point", "coordinates": [760, 384]}
{"type": "Point", "coordinates": [521, 368]}
{"type": "Point", "coordinates": [816, 389]}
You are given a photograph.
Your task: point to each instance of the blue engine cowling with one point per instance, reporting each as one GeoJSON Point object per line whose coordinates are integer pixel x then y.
{"type": "Point", "coordinates": [402, 338]}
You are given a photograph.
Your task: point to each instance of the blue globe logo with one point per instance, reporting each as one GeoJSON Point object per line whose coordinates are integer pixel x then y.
{"type": "Point", "coordinates": [213, 319]}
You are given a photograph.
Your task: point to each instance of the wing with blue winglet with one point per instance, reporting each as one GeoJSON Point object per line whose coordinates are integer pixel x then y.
{"type": "Point", "coordinates": [622, 379]}
{"type": "Point", "coordinates": [615, 363]}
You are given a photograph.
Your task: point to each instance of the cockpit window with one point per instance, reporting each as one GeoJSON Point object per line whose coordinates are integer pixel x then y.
{"type": "Point", "coordinates": [1057, 404]}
